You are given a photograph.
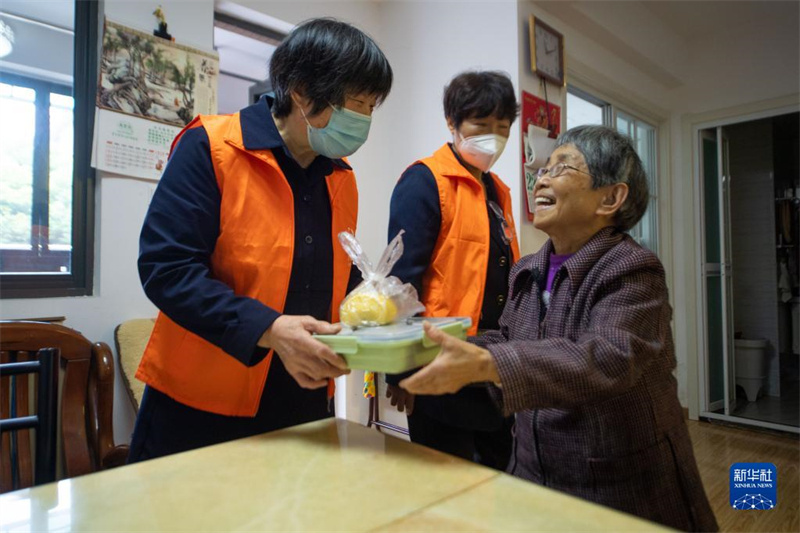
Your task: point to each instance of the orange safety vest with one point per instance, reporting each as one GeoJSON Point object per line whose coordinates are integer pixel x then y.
{"type": "Point", "coordinates": [454, 283]}
{"type": "Point", "coordinates": [253, 256]}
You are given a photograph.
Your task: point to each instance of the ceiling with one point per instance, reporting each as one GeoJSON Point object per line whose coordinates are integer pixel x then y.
{"type": "Point", "coordinates": [59, 13]}
{"type": "Point", "coordinates": [242, 55]}
{"type": "Point", "coordinates": [690, 19]}
{"type": "Point", "coordinates": [694, 20]}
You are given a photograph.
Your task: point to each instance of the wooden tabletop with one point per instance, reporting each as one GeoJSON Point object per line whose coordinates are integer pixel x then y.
{"type": "Point", "coordinates": [329, 475]}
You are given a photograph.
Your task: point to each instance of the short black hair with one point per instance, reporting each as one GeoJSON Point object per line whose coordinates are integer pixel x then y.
{"type": "Point", "coordinates": [478, 94]}
{"type": "Point", "coordinates": [612, 159]}
{"type": "Point", "coordinates": [327, 60]}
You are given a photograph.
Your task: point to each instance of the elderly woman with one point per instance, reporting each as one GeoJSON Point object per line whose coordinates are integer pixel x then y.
{"type": "Point", "coordinates": [584, 353]}
{"type": "Point", "coordinates": [237, 249]}
{"type": "Point", "coordinates": [460, 245]}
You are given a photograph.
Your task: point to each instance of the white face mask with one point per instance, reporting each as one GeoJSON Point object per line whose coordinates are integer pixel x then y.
{"type": "Point", "coordinates": [480, 151]}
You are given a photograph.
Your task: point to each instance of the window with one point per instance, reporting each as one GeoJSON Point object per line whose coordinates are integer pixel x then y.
{"type": "Point", "coordinates": [644, 139]}
{"type": "Point", "coordinates": [36, 165]}
{"type": "Point", "coordinates": [46, 184]}
{"type": "Point", "coordinates": [583, 108]}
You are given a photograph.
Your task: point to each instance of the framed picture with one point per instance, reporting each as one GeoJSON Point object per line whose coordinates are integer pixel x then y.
{"type": "Point", "coordinates": [547, 51]}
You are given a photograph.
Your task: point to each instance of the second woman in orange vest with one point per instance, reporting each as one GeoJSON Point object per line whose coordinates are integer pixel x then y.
{"type": "Point", "coordinates": [460, 244]}
{"type": "Point", "coordinates": [237, 249]}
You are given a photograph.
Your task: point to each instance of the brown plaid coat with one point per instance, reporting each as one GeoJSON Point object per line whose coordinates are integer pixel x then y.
{"type": "Point", "coordinates": [590, 380]}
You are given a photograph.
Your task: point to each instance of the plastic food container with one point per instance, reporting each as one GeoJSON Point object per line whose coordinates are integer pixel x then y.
{"type": "Point", "coordinates": [395, 348]}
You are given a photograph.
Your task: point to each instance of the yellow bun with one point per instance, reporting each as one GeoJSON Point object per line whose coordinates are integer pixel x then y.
{"type": "Point", "coordinates": [367, 309]}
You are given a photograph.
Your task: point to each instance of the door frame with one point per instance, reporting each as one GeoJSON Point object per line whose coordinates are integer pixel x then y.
{"type": "Point", "coordinates": [699, 407]}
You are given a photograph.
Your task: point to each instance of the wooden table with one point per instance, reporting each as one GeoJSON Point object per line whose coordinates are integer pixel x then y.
{"type": "Point", "coordinates": [330, 475]}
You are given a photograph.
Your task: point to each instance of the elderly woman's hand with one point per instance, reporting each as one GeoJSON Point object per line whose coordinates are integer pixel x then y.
{"type": "Point", "coordinates": [458, 364]}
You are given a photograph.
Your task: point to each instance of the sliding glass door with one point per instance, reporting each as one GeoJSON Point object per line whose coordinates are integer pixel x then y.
{"type": "Point", "coordinates": [720, 383]}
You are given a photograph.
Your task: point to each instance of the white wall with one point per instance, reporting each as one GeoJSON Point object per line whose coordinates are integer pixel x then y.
{"type": "Point", "coordinates": [233, 94]}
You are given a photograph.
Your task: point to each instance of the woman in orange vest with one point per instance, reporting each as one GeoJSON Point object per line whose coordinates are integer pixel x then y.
{"type": "Point", "coordinates": [460, 244]}
{"type": "Point", "coordinates": [237, 249]}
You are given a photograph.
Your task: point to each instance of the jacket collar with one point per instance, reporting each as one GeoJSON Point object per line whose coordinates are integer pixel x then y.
{"type": "Point", "coordinates": [578, 266]}
{"type": "Point", "coordinates": [590, 253]}
{"type": "Point", "coordinates": [259, 131]}
{"type": "Point", "coordinates": [533, 269]}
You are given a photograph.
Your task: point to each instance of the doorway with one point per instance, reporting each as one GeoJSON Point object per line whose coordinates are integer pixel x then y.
{"type": "Point", "coordinates": [750, 250]}
{"type": "Point", "coordinates": [244, 51]}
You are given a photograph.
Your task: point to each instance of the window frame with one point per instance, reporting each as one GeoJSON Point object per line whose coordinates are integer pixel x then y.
{"type": "Point", "coordinates": [610, 112]}
{"type": "Point", "coordinates": [653, 202]}
{"type": "Point", "coordinates": [79, 281]}
{"type": "Point", "coordinates": [607, 108]}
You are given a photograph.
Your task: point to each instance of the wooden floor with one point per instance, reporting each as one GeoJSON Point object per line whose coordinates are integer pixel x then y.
{"type": "Point", "coordinates": [717, 447]}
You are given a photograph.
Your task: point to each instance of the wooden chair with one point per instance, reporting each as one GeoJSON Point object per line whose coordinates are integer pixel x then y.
{"type": "Point", "coordinates": [87, 394]}
{"type": "Point", "coordinates": [16, 473]}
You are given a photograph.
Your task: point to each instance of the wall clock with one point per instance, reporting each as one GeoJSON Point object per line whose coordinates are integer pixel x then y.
{"type": "Point", "coordinates": [547, 51]}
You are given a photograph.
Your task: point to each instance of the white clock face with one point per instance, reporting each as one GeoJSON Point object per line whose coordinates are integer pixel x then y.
{"type": "Point", "coordinates": [548, 53]}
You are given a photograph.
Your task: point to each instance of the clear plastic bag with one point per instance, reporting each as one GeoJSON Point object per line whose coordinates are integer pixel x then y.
{"type": "Point", "coordinates": [380, 299]}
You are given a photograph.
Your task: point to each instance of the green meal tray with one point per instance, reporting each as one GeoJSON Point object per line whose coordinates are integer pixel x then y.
{"type": "Point", "coordinates": [395, 348]}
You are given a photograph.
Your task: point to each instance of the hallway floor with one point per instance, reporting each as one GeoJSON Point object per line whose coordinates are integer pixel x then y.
{"type": "Point", "coordinates": [784, 409]}
{"type": "Point", "coordinates": [717, 447]}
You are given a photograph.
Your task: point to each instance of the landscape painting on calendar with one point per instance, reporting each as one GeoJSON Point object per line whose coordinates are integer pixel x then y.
{"type": "Point", "coordinates": [154, 78]}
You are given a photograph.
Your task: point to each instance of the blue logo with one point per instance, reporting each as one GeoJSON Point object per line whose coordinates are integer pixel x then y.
{"type": "Point", "coordinates": [754, 486]}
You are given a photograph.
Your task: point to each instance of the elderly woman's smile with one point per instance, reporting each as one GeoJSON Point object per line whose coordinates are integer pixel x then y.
{"type": "Point", "coordinates": [566, 205]}
{"type": "Point", "coordinates": [544, 202]}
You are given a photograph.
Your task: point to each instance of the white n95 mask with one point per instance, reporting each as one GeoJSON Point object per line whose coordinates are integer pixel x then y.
{"type": "Point", "coordinates": [481, 151]}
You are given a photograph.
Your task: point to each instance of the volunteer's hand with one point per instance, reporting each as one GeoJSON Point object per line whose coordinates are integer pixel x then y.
{"type": "Point", "coordinates": [458, 364]}
{"type": "Point", "coordinates": [306, 359]}
{"type": "Point", "coordinates": [403, 400]}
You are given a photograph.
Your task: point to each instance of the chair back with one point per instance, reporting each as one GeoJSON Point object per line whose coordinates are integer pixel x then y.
{"type": "Point", "coordinates": [86, 392]}
{"type": "Point", "coordinates": [15, 419]}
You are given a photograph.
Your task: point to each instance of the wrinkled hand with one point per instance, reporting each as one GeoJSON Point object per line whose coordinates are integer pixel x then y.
{"type": "Point", "coordinates": [458, 364]}
{"type": "Point", "coordinates": [403, 400]}
{"type": "Point", "coordinates": [307, 360]}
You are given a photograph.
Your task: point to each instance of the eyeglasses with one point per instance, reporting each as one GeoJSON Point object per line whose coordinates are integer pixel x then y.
{"type": "Point", "coordinates": [556, 170]}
